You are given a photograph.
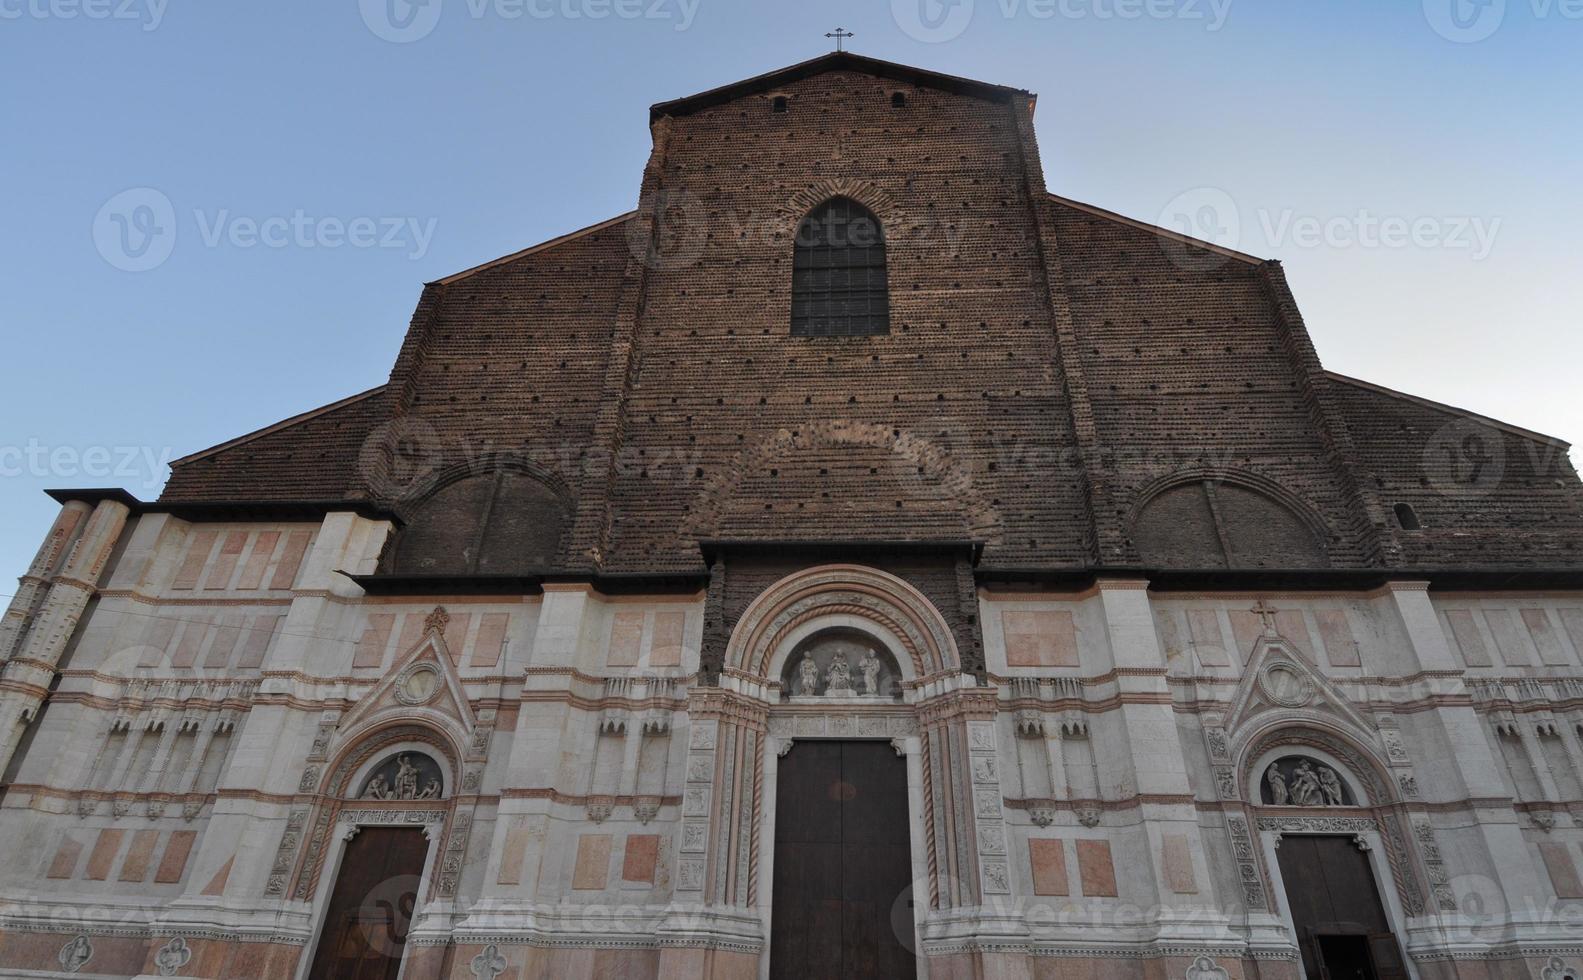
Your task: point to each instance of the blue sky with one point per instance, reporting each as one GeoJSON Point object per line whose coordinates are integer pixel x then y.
{"type": "Point", "coordinates": [1414, 164]}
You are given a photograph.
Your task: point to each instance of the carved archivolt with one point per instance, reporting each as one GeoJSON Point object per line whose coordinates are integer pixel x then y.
{"type": "Point", "coordinates": [853, 590]}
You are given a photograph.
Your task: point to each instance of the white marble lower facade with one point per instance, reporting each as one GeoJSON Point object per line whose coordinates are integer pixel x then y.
{"type": "Point", "coordinates": [201, 716]}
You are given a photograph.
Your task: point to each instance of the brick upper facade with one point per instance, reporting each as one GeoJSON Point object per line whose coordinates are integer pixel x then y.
{"type": "Point", "coordinates": [1051, 368]}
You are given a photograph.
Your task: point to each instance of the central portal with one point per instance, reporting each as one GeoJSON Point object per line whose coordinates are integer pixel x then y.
{"type": "Point", "coordinates": [843, 867]}
{"type": "Point", "coordinates": [1336, 909]}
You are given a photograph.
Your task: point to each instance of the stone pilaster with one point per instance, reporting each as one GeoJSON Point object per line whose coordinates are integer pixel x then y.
{"type": "Point", "coordinates": [33, 584]}
{"type": "Point", "coordinates": [25, 678]}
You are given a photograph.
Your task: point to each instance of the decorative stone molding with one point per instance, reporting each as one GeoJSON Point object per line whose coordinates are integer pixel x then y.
{"type": "Point", "coordinates": [1248, 872]}
{"type": "Point", "coordinates": [868, 593]}
{"type": "Point", "coordinates": [842, 724]}
{"type": "Point", "coordinates": [1042, 816]}
{"type": "Point", "coordinates": [1088, 816]}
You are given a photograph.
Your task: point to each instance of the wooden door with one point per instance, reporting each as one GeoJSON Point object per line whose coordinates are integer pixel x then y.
{"type": "Point", "coordinates": [843, 867]}
{"type": "Point", "coordinates": [1341, 925]}
{"type": "Point", "coordinates": [365, 928]}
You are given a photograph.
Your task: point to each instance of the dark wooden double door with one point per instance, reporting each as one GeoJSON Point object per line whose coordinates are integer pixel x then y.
{"type": "Point", "coordinates": [365, 928]}
{"type": "Point", "coordinates": [843, 868]}
{"type": "Point", "coordinates": [1336, 909]}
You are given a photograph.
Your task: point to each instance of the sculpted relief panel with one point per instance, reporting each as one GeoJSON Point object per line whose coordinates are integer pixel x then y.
{"type": "Point", "coordinates": [841, 664]}
{"type": "Point", "coordinates": [1300, 781]}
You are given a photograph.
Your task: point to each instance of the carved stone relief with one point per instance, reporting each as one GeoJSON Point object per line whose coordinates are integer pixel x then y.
{"type": "Point", "coordinates": [841, 663]}
{"type": "Point", "coordinates": [75, 954]}
{"type": "Point", "coordinates": [1300, 781]}
{"type": "Point", "coordinates": [172, 957]}
{"type": "Point", "coordinates": [407, 776]}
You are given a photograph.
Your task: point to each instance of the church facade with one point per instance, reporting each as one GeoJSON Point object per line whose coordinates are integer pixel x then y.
{"type": "Point", "coordinates": [857, 561]}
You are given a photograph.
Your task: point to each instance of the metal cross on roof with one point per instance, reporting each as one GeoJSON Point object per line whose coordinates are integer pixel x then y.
{"type": "Point", "coordinates": [840, 34]}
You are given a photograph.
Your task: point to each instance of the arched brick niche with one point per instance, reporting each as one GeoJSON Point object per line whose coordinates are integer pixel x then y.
{"type": "Point", "coordinates": [1206, 519]}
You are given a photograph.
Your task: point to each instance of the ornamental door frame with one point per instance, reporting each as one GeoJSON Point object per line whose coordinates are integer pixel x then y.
{"type": "Point", "coordinates": [1370, 821]}
{"type": "Point", "coordinates": [940, 721]}
{"type": "Point", "coordinates": [346, 814]}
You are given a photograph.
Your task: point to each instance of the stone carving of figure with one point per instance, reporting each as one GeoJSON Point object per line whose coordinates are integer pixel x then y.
{"type": "Point", "coordinates": [1330, 783]}
{"type": "Point", "coordinates": [377, 789]}
{"type": "Point", "coordinates": [431, 790]}
{"type": "Point", "coordinates": [869, 668]}
{"type": "Point", "coordinates": [839, 677]}
{"type": "Point", "coordinates": [406, 779]}
{"type": "Point", "coordinates": [1305, 786]}
{"type": "Point", "coordinates": [172, 957]}
{"type": "Point", "coordinates": [809, 671]}
{"type": "Point", "coordinates": [1277, 785]}
{"type": "Point", "coordinates": [75, 953]}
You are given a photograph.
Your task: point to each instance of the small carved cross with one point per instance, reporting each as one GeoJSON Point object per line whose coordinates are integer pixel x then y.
{"type": "Point", "coordinates": [1266, 614]}
{"type": "Point", "coordinates": [840, 34]}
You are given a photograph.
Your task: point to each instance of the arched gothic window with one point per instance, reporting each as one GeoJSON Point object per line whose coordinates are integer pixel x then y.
{"type": "Point", "coordinates": [838, 273]}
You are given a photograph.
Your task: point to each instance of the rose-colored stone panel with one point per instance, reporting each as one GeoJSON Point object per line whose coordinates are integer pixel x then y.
{"type": "Point", "coordinates": [511, 855]}
{"type": "Point", "coordinates": [1095, 868]}
{"type": "Point", "coordinates": [173, 863]}
{"type": "Point", "coordinates": [643, 851]}
{"type": "Point", "coordinates": [593, 862]}
{"type": "Point", "coordinates": [259, 634]}
{"type": "Point", "coordinates": [1563, 872]}
{"type": "Point", "coordinates": [216, 885]}
{"type": "Point", "coordinates": [1341, 648]}
{"type": "Point", "coordinates": [103, 855]}
{"type": "Point", "coordinates": [1177, 860]}
{"type": "Point", "coordinates": [1048, 859]}
{"type": "Point", "coordinates": [139, 855]}
{"type": "Point", "coordinates": [64, 863]}
{"type": "Point", "coordinates": [258, 560]}
{"type": "Point", "coordinates": [290, 560]}
{"type": "Point", "coordinates": [665, 649]}
{"type": "Point", "coordinates": [225, 638]}
{"type": "Point", "coordinates": [219, 577]}
{"type": "Point", "coordinates": [491, 640]}
{"type": "Point", "coordinates": [1040, 638]}
{"type": "Point", "coordinates": [371, 645]}
{"type": "Point", "coordinates": [197, 556]}
{"type": "Point", "coordinates": [626, 639]}
{"type": "Point", "coordinates": [1466, 632]}
{"type": "Point", "coordinates": [1208, 641]}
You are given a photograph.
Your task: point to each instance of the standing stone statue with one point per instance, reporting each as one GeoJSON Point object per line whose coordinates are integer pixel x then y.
{"type": "Point", "coordinates": [406, 779]}
{"type": "Point", "coordinates": [838, 680]}
{"type": "Point", "coordinates": [1305, 786]}
{"type": "Point", "coordinates": [869, 668]}
{"type": "Point", "coordinates": [809, 672]}
{"type": "Point", "coordinates": [1277, 785]}
{"type": "Point", "coordinates": [1331, 784]}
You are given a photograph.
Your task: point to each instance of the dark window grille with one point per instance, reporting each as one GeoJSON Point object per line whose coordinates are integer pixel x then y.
{"type": "Point", "coordinates": [838, 273]}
